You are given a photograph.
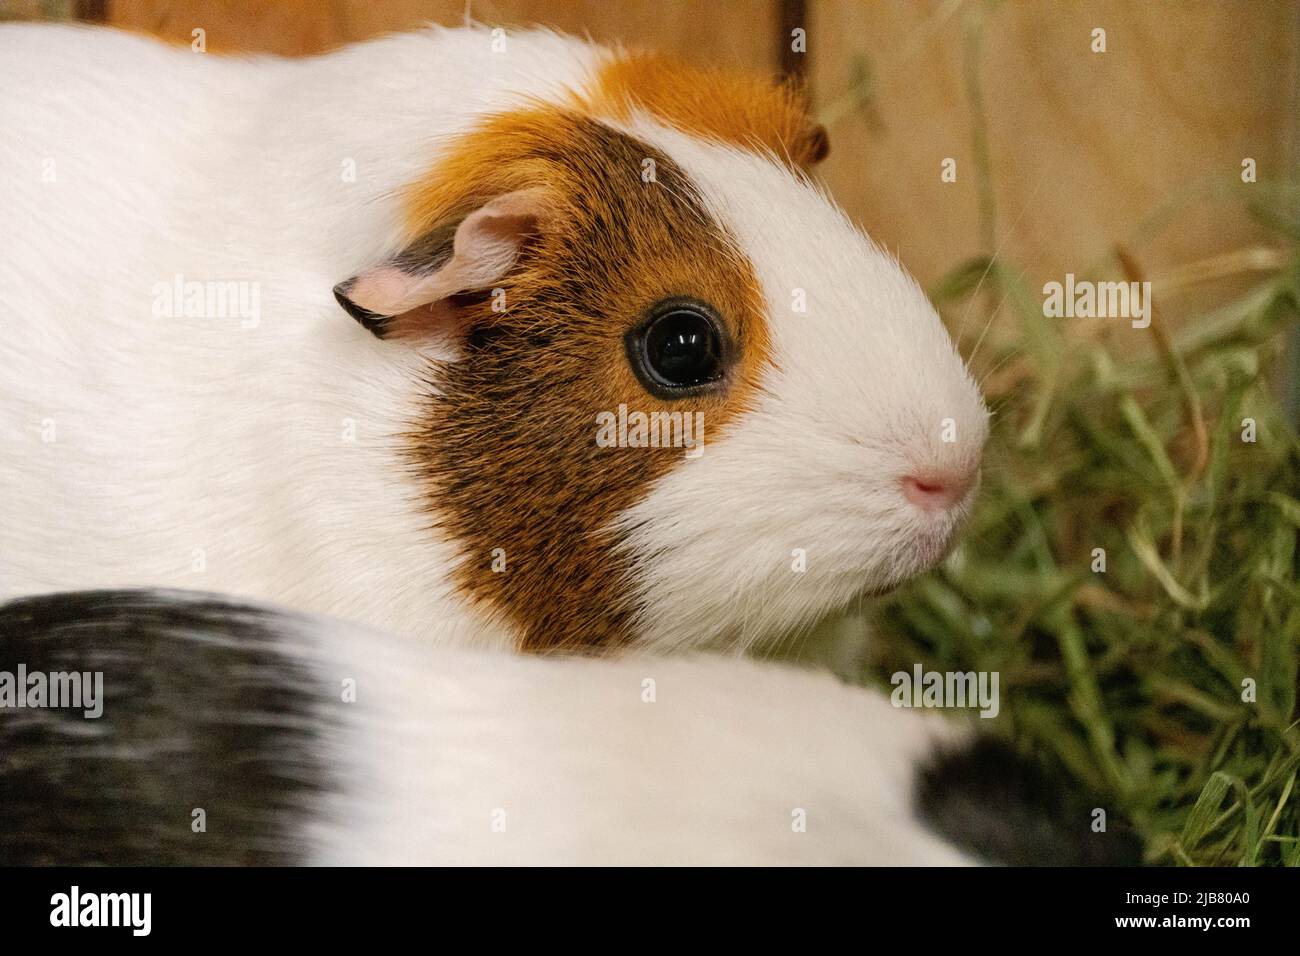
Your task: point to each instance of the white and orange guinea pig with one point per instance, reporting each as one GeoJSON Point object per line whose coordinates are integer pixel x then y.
{"type": "Point", "coordinates": [378, 334]}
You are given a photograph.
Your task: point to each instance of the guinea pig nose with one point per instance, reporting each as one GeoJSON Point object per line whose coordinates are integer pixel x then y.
{"type": "Point", "coordinates": [937, 490]}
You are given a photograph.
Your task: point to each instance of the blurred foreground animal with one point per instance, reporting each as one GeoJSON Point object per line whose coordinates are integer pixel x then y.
{"type": "Point", "coordinates": [235, 734]}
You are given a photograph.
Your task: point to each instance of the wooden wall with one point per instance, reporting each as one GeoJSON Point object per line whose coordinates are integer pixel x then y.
{"type": "Point", "coordinates": [1082, 147]}
{"type": "Point", "coordinates": [731, 32]}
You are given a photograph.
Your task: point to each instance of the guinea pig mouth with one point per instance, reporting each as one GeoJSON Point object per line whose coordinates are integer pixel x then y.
{"type": "Point", "coordinates": [927, 553]}
{"type": "Point", "coordinates": [876, 591]}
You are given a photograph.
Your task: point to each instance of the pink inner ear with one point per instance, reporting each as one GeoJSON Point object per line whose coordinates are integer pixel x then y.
{"type": "Point", "coordinates": [489, 239]}
{"type": "Point", "coordinates": [382, 289]}
{"type": "Point", "coordinates": [485, 249]}
{"type": "Point", "coordinates": [438, 325]}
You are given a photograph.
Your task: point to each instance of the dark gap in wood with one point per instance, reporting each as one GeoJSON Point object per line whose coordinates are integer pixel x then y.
{"type": "Point", "coordinates": [92, 11]}
{"type": "Point", "coordinates": [791, 14]}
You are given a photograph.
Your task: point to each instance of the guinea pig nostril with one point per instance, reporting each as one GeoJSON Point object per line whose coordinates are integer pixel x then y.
{"type": "Point", "coordinates": [933, 491]}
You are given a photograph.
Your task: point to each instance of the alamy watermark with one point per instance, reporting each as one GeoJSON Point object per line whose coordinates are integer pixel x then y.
{"type": "Point", "coordinates": [82, 690]}
{"type": "Point", "coordinates": [1083, 299]}
{"type": "Point", "coordinates": [624, 429]}
{"type": "Point", "coordinates": [923, 688]}
{"type": "Point", "coordinates": [208, 299]}
{"type": "Point", "coordinates": [133, 911]}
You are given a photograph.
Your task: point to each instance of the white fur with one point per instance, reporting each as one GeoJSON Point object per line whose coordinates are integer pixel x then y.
{"type": "Point", "coordinates": [175, 436]}
{"type": "Point", "coordinates": [469, 757]}
{"type": "Point", "coordinates": [863, 384]}
{"type": "Point", "coordinates": [179, 442]}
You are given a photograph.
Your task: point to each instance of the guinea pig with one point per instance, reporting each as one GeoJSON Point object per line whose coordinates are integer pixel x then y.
{"type": "Point", "coordinates": [498, 339]}
{"type": "Point", "coordinates": [199, 730]}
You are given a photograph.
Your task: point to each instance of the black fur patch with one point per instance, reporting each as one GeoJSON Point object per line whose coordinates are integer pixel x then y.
{"type": "Point", "coordinates": [1003, 808]}
{"type": "Point", "coordinates": [201, 710]}
{"type": "Point", "coordinates": [372, 322]}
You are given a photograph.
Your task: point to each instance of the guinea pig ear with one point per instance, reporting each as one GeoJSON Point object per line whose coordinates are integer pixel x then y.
{"type": "Point", "coordinates": [410, 293]}
{"type": "Point", "coordinates": [812, 146]}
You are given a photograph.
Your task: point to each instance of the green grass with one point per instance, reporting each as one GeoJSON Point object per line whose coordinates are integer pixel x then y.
{"type": "Point", "coordinates": [1129, 682]}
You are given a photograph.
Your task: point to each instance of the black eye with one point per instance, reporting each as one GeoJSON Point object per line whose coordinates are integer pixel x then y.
{"type": "Point", "coordinates": [678, 349]}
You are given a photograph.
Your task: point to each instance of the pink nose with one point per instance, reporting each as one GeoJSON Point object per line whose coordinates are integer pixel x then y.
{"type": "Point", "coordinates": [937, 491]}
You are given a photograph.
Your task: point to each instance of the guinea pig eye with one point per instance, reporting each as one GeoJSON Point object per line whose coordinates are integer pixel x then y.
{"type": "Point", "coordinates": [678, 350]}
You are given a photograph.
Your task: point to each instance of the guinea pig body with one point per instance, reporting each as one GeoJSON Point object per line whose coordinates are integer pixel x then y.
{"type": "Point", "coordinates": [189, 728]}
{"type": "Point", "coordinates": [547, 248]}
{"type": "Point", "coordinates": [236, 734]}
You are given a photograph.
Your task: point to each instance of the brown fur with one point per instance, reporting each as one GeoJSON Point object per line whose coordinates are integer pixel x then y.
{"type": "Point", "coordinates": [742, 109]}
{"type": "Point", "coordinates": [507, 444]}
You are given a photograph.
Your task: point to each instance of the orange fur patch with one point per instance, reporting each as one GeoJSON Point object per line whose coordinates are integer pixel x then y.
{"type": "Point", "coordinates": [742, 109]}
{"type": "Point", "coordinates": [507, 443]}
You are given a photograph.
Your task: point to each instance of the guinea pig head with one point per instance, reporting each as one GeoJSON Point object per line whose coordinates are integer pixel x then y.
{"type": "Point", "coordinates": [685, 401]}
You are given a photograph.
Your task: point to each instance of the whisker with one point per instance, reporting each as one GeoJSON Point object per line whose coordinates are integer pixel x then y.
{"type": "Point", "coordinates": [1010, 231]}
{"type": "Point", "coordinates": [997, 365]}
{"type": "Point", "coordinates": [988, 325]}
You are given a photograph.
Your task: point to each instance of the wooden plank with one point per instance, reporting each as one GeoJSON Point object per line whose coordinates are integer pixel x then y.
{"type": "Point", "coordinates": [1082, 145]}
{"type": "Point", "coordinates": [735, 33]}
